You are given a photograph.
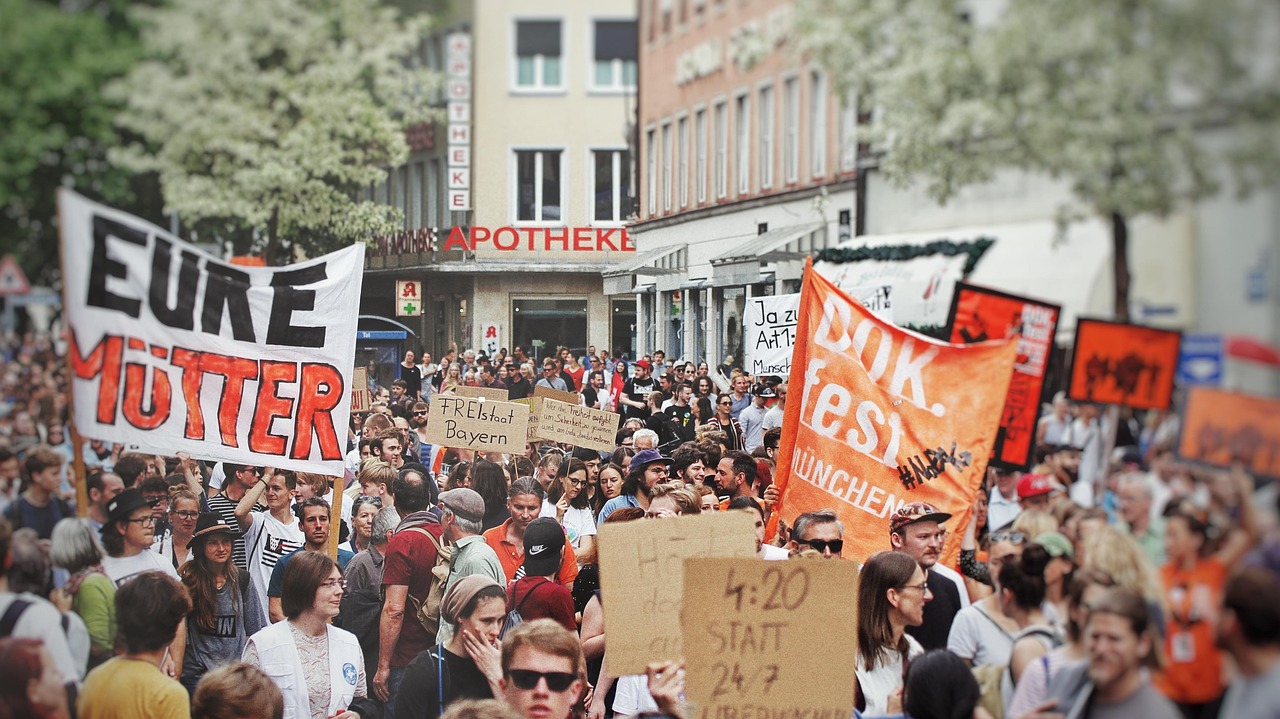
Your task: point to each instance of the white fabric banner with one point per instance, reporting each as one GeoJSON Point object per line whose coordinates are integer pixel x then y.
{"type": "Point", "coordinates": [769, 324]}
{"type": "Point", "coordinates": [172, 349]}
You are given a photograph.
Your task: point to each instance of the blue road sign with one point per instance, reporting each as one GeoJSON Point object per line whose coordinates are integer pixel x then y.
{"type": "Point", "coordinates": [1201, 360]}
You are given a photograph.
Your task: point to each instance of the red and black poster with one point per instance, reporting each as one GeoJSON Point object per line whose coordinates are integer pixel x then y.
{"type": "Point", "coordinates": [1221, 428]}
{"type": "Point", "coordinates": [979, 314]}
{"type": "Point", "coordinates": [1121, 364]}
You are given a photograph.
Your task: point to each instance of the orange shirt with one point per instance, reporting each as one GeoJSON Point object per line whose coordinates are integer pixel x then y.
{"type": "Point", "coordinates": [512, 556]}
{"type": "Point", "coordinates": [1193, 674]}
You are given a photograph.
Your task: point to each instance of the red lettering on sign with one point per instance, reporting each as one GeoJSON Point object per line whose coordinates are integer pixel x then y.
{"type": "Point", "coordinates": [515, 238]}
{"type": "Point", "coordinates": [103, 361]}
{"type": "Point", "coordinates": [529, 232]}
{"type": "Point", "coordinates": [135, 377]}
{"type": "Point", "coordinates": [271, 405]}
{"type": "Point", "coordinates": [582, 239]}
{"type": "Point", "coordinates": [234, 371]}
{"type": "Point", "coordinates": [478, 235]}
{"type": "Point", "coordinates": [456, 237]}
{"type": "Point", "coordinates": [319, 393]}
{"type": "Point", "coordinates": [602, 239]}
{"type": "Point", "coordinates": [549, 236]}
{"type": "Point", "coordinates": [192, 380]}
{"type": "Point", "coordinates": [410, 290]}
{"type": "Point", "coordinates": [490, 331]}
{"type": "Point", "coordinates": [627, 244]}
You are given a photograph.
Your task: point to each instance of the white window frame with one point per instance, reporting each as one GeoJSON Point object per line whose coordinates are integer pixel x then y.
{"type": "Point", "coordinates": [619, 169]}
{"type": "Point", "coordinates": [668, 169]}
{"type": "Point", "coordinates": [619, 86]}
{"type": "Point", "coordinates": [791, 128]}
{"type": "Point", "coordinates": [742, 141]}
{"type": "Point", "coordinates": [514, 174]}
{"type": "Point", "coordinates": [682, 158]}
{"type": "Point", "coordinates": [721, 161]}
{"type": "Point", "coordinates": [764, 134]}
{"type": "Point", "coordinates": [817, 124]}
{"type": "Point", "coordinates": [848, 132]}
{"type": "Point", "coordinates": [651, 169]}
{"type": "Point", "coordinates": [539, 88]}
{"type": "Point", "coordinates": [701, 148]}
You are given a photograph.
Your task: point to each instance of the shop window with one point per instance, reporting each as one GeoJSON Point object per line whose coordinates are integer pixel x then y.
{"type": "Point", "coordinates": [611, 186]}
{"type": "Point", "coordinates": [622, 327]}
{"type": "Point", "coordinates": [735, 301]}
{"type": "Point", "coordinates": [614, 62]}
{"type": "Point", "coordinates": [539, 189]}
{"type": "Point", "coordinates": [544, 323]}
{"type": "Point", "coordinates": [538, 55]}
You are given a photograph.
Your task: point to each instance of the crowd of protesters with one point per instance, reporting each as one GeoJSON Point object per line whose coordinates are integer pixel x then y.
{"type": "Point", "coordinates": [1102, 583]}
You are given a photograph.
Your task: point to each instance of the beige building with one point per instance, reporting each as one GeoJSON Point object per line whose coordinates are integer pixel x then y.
{"type": "Point", "coordinates": [515, 202]}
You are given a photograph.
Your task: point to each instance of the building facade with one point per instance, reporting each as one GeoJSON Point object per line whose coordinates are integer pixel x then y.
{"type": "Point", "coordinates": [746, 166]}
{"type": "Point", "coordinates": [515, 201]}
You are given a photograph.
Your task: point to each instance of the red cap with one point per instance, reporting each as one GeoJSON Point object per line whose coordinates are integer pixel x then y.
{"type": "Point", "coordinates": [643, 363]}
{"type": "Point", "coordinates": [1034, 485]}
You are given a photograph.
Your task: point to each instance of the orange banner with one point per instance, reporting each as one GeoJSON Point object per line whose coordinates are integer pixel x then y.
{"type": "Point", "coordinates": [1221, 428]}
{"type": "Point", "coordinates": [884, 417]}
{"type": "Point", "coordinates": [1129, 365]}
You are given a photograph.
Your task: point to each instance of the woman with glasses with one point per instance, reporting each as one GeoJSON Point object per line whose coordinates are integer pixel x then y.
{"type": "Point", "coordinates": [221, 620]}
{"type": "Point", "coordinates": [127, 536]}
{"type": "Point", "coordinates": [318, 667]}
{"type": "Point", "coordinates": [363, 510]}
{"type": "Point", "coordinates": [184, 510]}
{"type": "Point", "coordinates": [568, 497]}
{"type": "Point", "coordinates": [892, 592]}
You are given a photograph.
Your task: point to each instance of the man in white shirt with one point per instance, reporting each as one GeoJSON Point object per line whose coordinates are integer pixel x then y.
{"type": "Point", "coordinates": [773, 418]}
{"type": "Point", "coordinates": [1002, 503]}
{"type": "Point", "coordinates": [269, 535]}
{"type": "Point", "coordinates": [752, 418]}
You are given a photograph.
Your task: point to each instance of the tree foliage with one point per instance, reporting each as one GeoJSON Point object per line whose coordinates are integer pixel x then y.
{"type": "Point", "coordinates": [1112, 97]}
{"type": "Point", "coordinates": [267, 118]}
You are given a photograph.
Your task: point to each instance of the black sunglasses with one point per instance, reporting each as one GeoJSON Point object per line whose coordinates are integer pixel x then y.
{"type": "Point", "coordinates": [416, 412]}
{"type": "Point", "coordinates": [528, 679]}
{"type": "Point", "coordinates": [1010, 537]}
{"type": "Point", "coordinates": [821, 545]}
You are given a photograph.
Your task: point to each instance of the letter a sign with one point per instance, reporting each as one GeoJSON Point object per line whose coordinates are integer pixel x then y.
{"type": "Point", "coordinates": [408, 298]}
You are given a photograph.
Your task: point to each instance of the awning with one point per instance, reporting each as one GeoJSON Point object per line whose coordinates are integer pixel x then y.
{"type": "Point", "coordinates": [660, 261]}
{"type": "Point", "coordinates": [784, 243]}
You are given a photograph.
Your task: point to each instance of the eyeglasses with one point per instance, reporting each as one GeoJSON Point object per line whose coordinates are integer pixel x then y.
{"type": "Point", "coordinates": [187, 515]}
{"type": "Point", "coordinates": [156, 501]}
{"type": "Point", "coordinates": [1011, 537]}
{"type": "Point", "coordinates": [144, 521]}
{"type": "Point", "coordinates": [333, 584]}
{"type": "Point", "coordinates": [422, 413]}
{"type": "Point", "coordinates": [923, 587]}
{"type": "Point", "coordinates": [578, 482]}
{"type": "Point", "coordinates": [528, 679]}
{"type": "Point", "coordinates": [821, 545]}
{"type": "Point", "coordinates": [725, 404]}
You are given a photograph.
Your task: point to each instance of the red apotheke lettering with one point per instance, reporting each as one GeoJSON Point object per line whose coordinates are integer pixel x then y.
{"type": "Point", "coordinates": [574, 239]}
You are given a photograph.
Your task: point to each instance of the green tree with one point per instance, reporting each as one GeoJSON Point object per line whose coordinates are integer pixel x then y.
{"type": "Point", "coordinates": [57, 124]}
{"type": "Point", "coordinates": [1114, 97]}
{"type": "Point", "coordinates": [265, 119]}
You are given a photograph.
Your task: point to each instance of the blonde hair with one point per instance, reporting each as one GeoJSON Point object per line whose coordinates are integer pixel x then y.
{"type": "Point", "coordinates": [1116, 553]}
{"type": "Point", "coordinates": [1034, 522]}
{"type": "Point", "coordinates": [237, 691]}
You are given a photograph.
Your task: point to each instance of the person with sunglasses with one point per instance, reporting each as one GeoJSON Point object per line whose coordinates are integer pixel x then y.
{"type": "Point", "coordinates": [723, 421]}
{"type": "Point", "coordinates": [820, 531]}
{"type": "Point", "coordinates": [542, 670]}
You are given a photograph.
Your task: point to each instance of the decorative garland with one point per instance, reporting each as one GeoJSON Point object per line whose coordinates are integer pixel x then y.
{"type": "Point", "coordinates": [902, 253]}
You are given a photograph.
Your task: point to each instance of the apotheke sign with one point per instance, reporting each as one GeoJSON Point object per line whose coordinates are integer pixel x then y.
{"type": "Point", "coordinates": [459, 111]}
{"type": "Point", "coordinates": [567, 239]}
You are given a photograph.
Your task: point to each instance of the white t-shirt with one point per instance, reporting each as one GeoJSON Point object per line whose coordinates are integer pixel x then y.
{"type": "Point", "coordinates": [578, 523]}
{"type": "Point", "coordinates": [976, 636]}
{"type": "Point", "coordinates": [633, 696]}
{"type": "Point", "coordinates": [264, 544]}
{"type": "Point", "coordinates": [121, 569]}
{"type": "Point", "coordinates": [770, 552]}
{"type": "Point", "coordinates": [41, 620]}
{"type": "Point", "coordinates": [772, 418]}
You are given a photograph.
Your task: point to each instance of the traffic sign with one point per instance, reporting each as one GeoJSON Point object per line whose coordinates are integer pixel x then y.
{"type": "Point", "coordinates": [1201, 360]}
{"type": "Point", "coordinates": [13, 281]}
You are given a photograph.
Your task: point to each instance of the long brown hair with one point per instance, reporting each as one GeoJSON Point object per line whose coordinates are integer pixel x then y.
{"type": "Point", "coordinates": [199, 576]}
{"type": "Point", "coordinates": [882, 572]}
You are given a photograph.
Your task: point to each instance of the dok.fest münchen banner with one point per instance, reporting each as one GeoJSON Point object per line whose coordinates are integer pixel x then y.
{"type": "Point", "coordinates": [175, 350]}
{"type": "Point", "coordinates": [884, 417]}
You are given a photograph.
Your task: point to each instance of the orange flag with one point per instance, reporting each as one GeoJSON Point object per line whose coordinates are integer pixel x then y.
{"type": "Point", "coordinates": [882, 416]}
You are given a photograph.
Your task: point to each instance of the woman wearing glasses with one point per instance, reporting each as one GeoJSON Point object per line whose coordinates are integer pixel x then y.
{"type": "Point", "coordinates": [573, 509]}
{"type": "Point", "coordinates": [318, 667]}
{"type": "Point", "coordinates": [127, 536]}
{"type": "Point", "coordinates": [892, 592]}
{"type": "Point", "coordinates": [221, 620]}
{"type": "Point", "coordinates": [184, 510]}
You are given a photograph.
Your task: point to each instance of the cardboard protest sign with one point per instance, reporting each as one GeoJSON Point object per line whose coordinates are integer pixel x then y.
{"type": "Point", "coordinates": [770, 325]}
{"type": "Point", "coordinates": [751, 628]}
{"type": "Point", "coordinates": [361, 397]}
{"type": "Point", "coordinates": [1129, 365]}
{"type": "Point", "coordinates": [1220, 428]}
{"type": "Point", "coordinates": [880, 416]}
{"type": "Point", "coordinates": [570, 397]}
{"type": "Point", "coordinates": [493, 393]}
{"type": "Point", "coordinates": [535, 410]}
{"type": "Point", "coordinates": [477, 423]}
{"type": "Point", "coordinates": [577, 425]}
{"type": "Point", "coordinates": [177, 351]}
{"type": "Point", "coordinates": [642, 574]}
{"type": "Point", "coordinates": [979, 314]}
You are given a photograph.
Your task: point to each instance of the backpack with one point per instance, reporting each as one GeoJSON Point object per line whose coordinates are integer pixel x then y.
{"type": "Point", "coordinates": [427, 609]}
{"type": "Point", "coordinates": [514, 619]}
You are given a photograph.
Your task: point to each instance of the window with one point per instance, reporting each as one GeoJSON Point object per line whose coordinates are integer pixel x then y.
{"type": "Point", "coordinates": [791, 129]}
{"type": "Point", "coordinates": [682, 153]}
{"type": "Point", "coordinates": [539, 191]}
{"type": "Point", "coordinates": [610, 186]}
{"type": "Point", "coordinates": [538, 55]}
{"type": "Point", "coordinates": [413, 216]}
{"type": "Point", "coordinates": [614, 65]}
{"type": "Point", "coordinates": [766, 137]}
{"type": "Point", "coordinates": [722, 150]}
{"type": "Point", "coordinates": [817, 123]}
{"type": "Point", "coordinates": [435, 195]}
{"type": "Point", "coordinates": [700, 156]}
{"type": "Point", "coordinates": [848, 126]}
{"type": "Point", "coordinates": [742, 149]}
{"type": "Point", "coordinates": [667, 168]}
{"type": "Point", "coordinates": [651, 161]}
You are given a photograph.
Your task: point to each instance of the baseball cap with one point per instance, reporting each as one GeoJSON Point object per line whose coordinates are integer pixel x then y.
{"type": "Point", "coordinates": [1034, 485]}
{"type": "Point", "coordinates": [648, 456]}
{"type": "Point", "coordinates": [1056, 544]}
{"type": "Point", "coordinates": [912, 513]}
{"type": "Point", "coordinates": [123, 504]}
{"type": "Point", "coordinates": [643, 363]}
{"type": "Point", "coordinates": [764, 390]}
{"type": "Point", "coordinates": [466, 503]}
{"type": "Point", "coordinates": [543, 541]}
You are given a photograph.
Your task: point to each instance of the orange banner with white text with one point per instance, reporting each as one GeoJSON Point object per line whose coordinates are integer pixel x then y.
{"type": "Point", "coordinates": [881, 417]}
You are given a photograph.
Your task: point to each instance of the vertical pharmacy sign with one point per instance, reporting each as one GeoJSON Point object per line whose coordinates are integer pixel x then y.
{"type": "Point", "coordinates": [458, 62]}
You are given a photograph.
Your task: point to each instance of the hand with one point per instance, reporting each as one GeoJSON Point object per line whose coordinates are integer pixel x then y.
{"type": "Point", "coordinates": [666, 682]}
{"type": "Point", "coordinates": [61, 600]}
{"type": "Point", "coordinates": [488, 658]}
{"type": "Point", "coordinates": [595, 709]}
{"type": "Point", "coordinates": [771, 496]}
{"type": "Point", "coordinates": [562, 506]}
{"type": "Point", "coordinates": [380, 683]}
{"type": "Point", "coordinates": [167, 666]}
{"type": "Point", "coordinates": [894, 704]}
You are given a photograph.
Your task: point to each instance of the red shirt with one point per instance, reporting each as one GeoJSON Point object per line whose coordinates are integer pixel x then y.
{"type": "Point", "coordinates": [410, 557]}
{"type": "Point", "coordinates": [512, 556]}
{"type": "Point", "coordinates": [540, 598]}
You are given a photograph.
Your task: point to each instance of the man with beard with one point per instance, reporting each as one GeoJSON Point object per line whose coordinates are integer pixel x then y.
{"type": "Point", "coordinates": [916, 529]}
{"type": "Point", "coordinates": [594, 394]}
{"type": "Point", "coordinates": [518, 387]}
{"type": "Point", "coordinates": [736, 476]}
{"type": "Point", "coordinates": [489, 377]}
{"type": "Point", "coordinates": [681, 414]}
{"type": "Point", "coordinates": [634, 400]}
{"type": "Point", "coordinates": [314, 515]}
{"type": "Point", "coordinates": [647, 469]}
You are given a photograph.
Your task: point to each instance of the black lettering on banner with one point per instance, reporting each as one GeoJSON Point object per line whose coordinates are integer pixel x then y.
{"type": "Point", "coordinates": [934, 462]}
{"type": "Point", "coordinates": [290, 299]}
{"type": "Point", "coordinates": [227, 287]}
{"type": "Point", "coordinates": [183, 314]}
{"type": "Point", "coordinates": [102, 266]}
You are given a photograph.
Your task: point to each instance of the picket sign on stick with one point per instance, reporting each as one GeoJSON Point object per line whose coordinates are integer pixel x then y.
{"type": "Point", "coordinates": [642, 574]}
{"type": "Point", "coordinates": [477, 424]}
{"type": "Point", "coordinates": [569, 397]}
{"type": "Point", "coordinates": [750, 631]}
{"type": "Point", "coordinates": [81, 475]}
{"type": "Point", "coordinates": [335, 516]}
{"type": "Point", "coordinates": [361, 397]}
{"type": "Point", "coordinates": [493, 393]}
{"type": "Point", "coordinates": [175, 350]}
{"type": "Point", "coordinates": [533, 434]}
{"type": "Point", "coordinates": [1221, 428]}
{"type": "Point", "coordinates": [576, 425]}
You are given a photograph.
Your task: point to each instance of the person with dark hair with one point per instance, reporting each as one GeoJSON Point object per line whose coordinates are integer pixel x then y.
{"type": "Point", "coordinates": [821, 531]}
{"type": "Point", "coordinates": [149, 613]}
{"type": "Point", "coordinates": [224, 610]}
{"type": "Point", "coordinates": [127, 537]}
{"type": "Point", "coordinates": [724, 421]}
{"type": "Point", "coordinates": [939, 685]}
{"type": "Point", "coordinates": [318, 667]}
{"type": "Point", "coordinates": [237, 691]}
{"type": "Point", "coordinates": [568, 498]}
{"type": "Point", "coordinates": [32, 616]}
{"type": "Point", "coordinates": [1249, 630]}
{"type": "Point", "coordinates": [314, 515]}
{"type": "Point", "coordinates": [465, 667]}
{"type": "Point", "coordinates": [610, 483]}
{"type": "Point", "coordinates": [535, 594]}
{"type": "Point", "coordinates": [31, 687]}
{"type": "Point", "coordinates": [892, 594]}
{"type": "Point", "coordinates": [238, 480]}
{"type": "Point", "coordinates": [131, 467]}
{"type": "Point", "coordinates": [489, 481]}
{"type": "Point", "coordinates": [983, 633]}
{"type": "Point", "coordinates": [269, 535]}
{"type": "Point", "coordinates": [736, 476]}
{"type": "Point", "coordinates": [648, 468]}
{"type": "Point", "coordinates": [39, 506]}
{"type": "Point", "coordinates": [524, 502]}
{"type": "Point", "coordinates": [102, 487]}
{"type": "Point", "coordinates": [542, 670]}
{"type": "Point", "coordinates": [688, 463]}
